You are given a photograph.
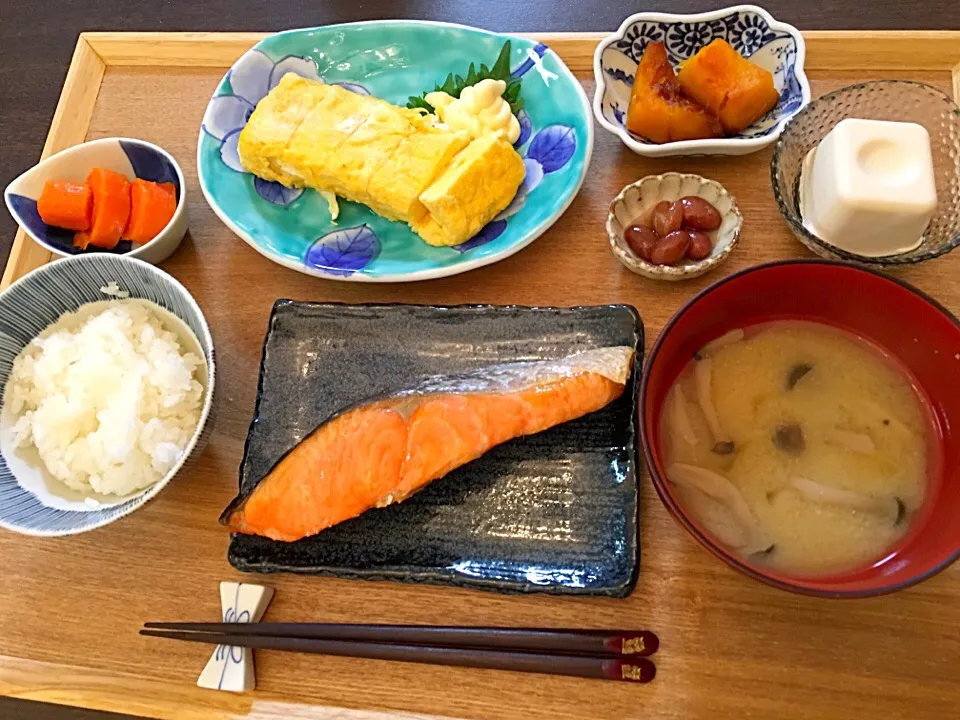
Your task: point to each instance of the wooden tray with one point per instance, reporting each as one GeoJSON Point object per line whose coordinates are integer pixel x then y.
{"type": "Point", "coordinates": [731, 647]}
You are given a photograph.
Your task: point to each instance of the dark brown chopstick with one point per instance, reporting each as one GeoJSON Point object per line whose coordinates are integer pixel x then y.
{"type": "Point", "coordinates": [637, 669]}
{"type": "Point", "coordinates": [638, 643]}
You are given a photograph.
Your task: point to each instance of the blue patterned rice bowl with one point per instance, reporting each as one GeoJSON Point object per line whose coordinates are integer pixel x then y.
{"type": "Point", "coordinates": [35, 302]}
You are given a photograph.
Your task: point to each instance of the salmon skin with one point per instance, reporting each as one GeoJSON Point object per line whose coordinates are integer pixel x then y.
{"type": "Point", "coordinates": [381, 451]}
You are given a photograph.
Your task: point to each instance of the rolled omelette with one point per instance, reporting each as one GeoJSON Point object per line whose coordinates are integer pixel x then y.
{"type": "Point", "coordinates": [400, 163]}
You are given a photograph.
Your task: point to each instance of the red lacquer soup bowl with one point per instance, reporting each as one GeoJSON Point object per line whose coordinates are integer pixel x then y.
{"type": "Point", "coordinates": [904, 323]}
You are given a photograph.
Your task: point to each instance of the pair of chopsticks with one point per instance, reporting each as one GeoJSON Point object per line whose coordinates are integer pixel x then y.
{"type": "Point", "coordinates": [603, 654]}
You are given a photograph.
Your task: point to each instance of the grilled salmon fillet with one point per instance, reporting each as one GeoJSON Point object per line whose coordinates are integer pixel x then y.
{"type": "Point", "coordinates": [382, 451]}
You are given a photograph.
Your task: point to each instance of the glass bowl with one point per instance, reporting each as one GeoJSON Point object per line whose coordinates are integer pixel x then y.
{"type": "Point", "coordinates": [898, 100]}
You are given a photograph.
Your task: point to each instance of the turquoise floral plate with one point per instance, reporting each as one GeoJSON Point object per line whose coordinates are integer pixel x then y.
{"type": "Point", "coordinates": [391, 60]}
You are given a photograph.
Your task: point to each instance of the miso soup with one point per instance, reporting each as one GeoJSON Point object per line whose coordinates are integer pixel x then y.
{"type": "Point", "coordinates": [797, 446]}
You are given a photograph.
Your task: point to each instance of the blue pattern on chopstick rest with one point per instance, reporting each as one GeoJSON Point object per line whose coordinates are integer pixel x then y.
{"type": "Point", "coordinates": [38, 300]}
{"type": "Point", "coordinates": [231, 653]}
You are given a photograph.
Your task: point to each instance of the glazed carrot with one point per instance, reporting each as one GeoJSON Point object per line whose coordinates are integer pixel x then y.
{"type": "Point", "coordinates": [111, 206]}
{"type": "Point", "coordinates": [151, 207]}
{"type": "Point", "coordinates": [81, 240]}
{"type": "Point", "coordinates": [66, 205]}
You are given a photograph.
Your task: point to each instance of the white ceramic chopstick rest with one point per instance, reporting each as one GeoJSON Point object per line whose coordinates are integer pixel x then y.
{"type": "Point", "coordinates": [231, 668]}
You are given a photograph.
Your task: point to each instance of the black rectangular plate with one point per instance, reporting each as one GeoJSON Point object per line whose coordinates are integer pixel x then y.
{"type": "Point", "coordinates": [554, 512]}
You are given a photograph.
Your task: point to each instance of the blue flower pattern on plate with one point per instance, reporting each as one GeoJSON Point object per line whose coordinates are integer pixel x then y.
{"type": "Point", "coordinates": [275, 192]}
{"type": "Point", "coordinates": [553, 147]}
{"type": "Point", "coordinates": [343, 252]}
{"type": "Point", "coordinates": [490, 232]}
{"type": "Point", "coordinates": [618, 74]}
{"type": "Point", "coordinates": [254, 75]}
{"type": "Point", "coordinates": [751, 33]}
{"type": "Point", "coordinates": [792, 94]}
{"type": "Point", "coordinates": [747, 31]}
{"type": "Point", "coordinates": [686, 39]}
{"type": "Point", "coordinates": [526, 127]}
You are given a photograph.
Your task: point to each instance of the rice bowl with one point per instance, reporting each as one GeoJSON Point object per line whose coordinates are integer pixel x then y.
{"type": "Point", "coordinates": [32, 500]}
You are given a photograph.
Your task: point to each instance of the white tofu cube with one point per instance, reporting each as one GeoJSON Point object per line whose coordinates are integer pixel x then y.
{"type": "Point", "coordinates": [869, 187]}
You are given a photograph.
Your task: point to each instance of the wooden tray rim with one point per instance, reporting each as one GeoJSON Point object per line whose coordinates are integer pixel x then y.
{"type": "Point", "coordinates": [95, 52]}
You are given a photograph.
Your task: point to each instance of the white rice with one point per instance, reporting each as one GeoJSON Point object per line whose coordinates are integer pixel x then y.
{"type": "Point", "coordinates": [112, 289]}
{"type": "Point", "coordinates": [109, 400]}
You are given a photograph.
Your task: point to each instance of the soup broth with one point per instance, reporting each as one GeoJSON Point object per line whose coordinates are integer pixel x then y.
{"type": "Point", "coordinates": [798, 446]}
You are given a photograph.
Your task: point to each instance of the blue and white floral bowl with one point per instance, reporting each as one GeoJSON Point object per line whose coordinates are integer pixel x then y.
{"type": "Point", "coordinates": [127, 156]}
{"type": "Point", "coordinates": [751, 30]}
{"type": "Point", "coordinates": [391, 60]}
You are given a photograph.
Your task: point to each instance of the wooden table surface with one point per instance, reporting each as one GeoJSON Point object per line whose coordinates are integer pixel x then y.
{"type": "Point", "coordinates": [730, 646]}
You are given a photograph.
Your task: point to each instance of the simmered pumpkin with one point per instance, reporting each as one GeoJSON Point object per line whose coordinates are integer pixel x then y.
{"type": "Point", "coordinates": [658, 111]}
{"type": "Point", "coordinates": [728, 85]}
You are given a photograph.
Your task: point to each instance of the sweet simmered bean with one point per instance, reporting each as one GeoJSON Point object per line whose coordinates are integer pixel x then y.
{"type": "Point", "coordinates": [671, 248]}
{"type": "Point", "coordinates": [666, 217]}
{"type": "Point", "coordinates": [700, 245]}
{"type": "Point", "coordinates": [699, 214]}
{"type": "Point", "coordinates": [641, 240]}
{"type": "Point", "coordinates": [675, 230]}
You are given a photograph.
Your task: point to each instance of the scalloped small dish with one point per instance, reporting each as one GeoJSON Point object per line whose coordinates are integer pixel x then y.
{"type": "Point", "coordinates": [393, 60]}
{"type": "Point", "coordinates": [130, 157]}
{"type": "Point", "coordinates": [751, 30]}
{"type": "Point", "coordinates": [634, 204]}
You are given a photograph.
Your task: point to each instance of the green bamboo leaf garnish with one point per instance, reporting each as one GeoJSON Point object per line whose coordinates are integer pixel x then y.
{"type": "Point", "coordinates": [453, 85]}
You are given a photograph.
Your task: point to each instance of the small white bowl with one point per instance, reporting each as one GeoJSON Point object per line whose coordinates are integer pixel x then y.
{"type": "Point", "coordinates": [634, 204]}
{"type": "Point", "coordinates": [30, 503]}
{"type": "Point", "coordinates": [133, 158]}
{"type": "Point", "coordinates": [751, 30]}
